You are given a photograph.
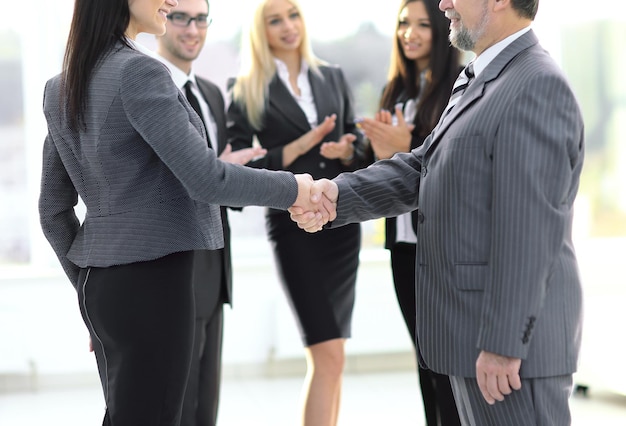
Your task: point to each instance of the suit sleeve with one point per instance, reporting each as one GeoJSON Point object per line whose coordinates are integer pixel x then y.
{"type": "Point", "coordinates": [56, 209]}
{"type": "Point", "coordinates": [535, 155]}
{"type": "Point", "coordinates": [156, 109]}
{"type": "Point", "coordinates": [57, 200]}
{"type": "Point", "coordinates": [386, 188]}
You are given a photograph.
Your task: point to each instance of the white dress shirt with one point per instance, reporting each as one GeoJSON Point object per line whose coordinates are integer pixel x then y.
{"type": "Point", "coordinates": [180, 79]}
{"type": "Point", "coordinates": [485, 58]}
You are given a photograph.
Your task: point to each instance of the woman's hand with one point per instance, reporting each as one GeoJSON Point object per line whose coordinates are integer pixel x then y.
{"type": "Point", "coordinates": [242, 156]}
{"type": "Point", "coordinates": [385, 138]}
{"type": "Point", "coordinates": [307, 141]}
{"type": "Point", "coordinates": [343, 150]}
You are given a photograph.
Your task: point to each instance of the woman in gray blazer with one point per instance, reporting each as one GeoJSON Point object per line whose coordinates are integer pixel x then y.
{"type": "Point", "coordinates": [125, 140]}
{"type": "Point", "coordinates": [300, 110]}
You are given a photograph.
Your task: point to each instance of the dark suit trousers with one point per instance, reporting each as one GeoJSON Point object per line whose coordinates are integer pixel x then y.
{"type": "Point", "coordinates": [540, 402]}
{"type": "Point", "coordinates": [439, 406]}
{"type": "Point", "coordinates": [140, 319]}
{"type": "Point", "coordinates": [203, 386]}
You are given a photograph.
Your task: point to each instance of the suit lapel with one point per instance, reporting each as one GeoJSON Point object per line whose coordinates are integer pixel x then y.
{"type": "Point", "coordinates": [216, 110]}
{"type": "Point", "coordinates": [477, 88]}
{"type": "Point", "coordinates": [319, 88]}
{"type": "Point", "coordinates": [281, 99]}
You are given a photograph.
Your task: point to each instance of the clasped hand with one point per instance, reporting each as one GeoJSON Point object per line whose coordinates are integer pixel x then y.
{"type": "Point", "coordinates": [316, 204]}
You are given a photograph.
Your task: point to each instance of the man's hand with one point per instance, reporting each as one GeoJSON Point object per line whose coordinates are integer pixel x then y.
{"type": "Point", "coordinates": [497, 376]}
{"type": "Point", "coordinates": [242, 156]}
{"type": "Point", "coordinates": [323, 196]}
{"type": "Point", "coordinates": [385, 138]}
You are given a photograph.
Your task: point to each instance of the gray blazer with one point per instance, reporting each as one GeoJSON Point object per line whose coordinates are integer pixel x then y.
{"type": "Point", "coordinates": [495, 186]}
{"type": "Point", "coordinates": [143, 169]}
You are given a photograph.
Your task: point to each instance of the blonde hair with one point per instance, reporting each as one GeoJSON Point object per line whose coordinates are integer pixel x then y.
{"type": "Point", "coordinates": [258, 68]}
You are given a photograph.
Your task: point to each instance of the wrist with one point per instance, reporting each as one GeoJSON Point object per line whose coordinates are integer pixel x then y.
{"type": "Point", "coordinates": [350, 157]}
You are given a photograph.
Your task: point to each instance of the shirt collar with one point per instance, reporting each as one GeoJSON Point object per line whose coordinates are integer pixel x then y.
{"type": "Point", "coordinates": [283, 72]}
{"type": "Point", "coordinates": [178, 76]}
{"type": "Point", "coordinates": [141, 48]}
{"type": "Point", "coordinates": [484, 59]}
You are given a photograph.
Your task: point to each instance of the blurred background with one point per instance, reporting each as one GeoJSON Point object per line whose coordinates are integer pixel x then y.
{"type": "Point", "coordinates": [43, 343]}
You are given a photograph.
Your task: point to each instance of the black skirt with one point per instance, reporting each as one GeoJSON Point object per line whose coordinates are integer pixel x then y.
{"type": "Point", "coordinates": [318, 274]}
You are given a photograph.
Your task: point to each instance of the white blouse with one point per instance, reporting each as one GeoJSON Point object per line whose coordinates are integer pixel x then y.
{"type": "Point", "coordinates": [404, 224]}
{"type": "Point", "coordinates": [305, 100]}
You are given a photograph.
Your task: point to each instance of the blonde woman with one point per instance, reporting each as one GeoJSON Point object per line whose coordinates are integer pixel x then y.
{"type": "Point", "coordinates": [300, 110]}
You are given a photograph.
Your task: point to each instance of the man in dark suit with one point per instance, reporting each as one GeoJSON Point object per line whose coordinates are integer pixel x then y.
{"type": "Point", "coordinates": [212, 279]}
{"type": "Point", "coordinates": [498, 291]}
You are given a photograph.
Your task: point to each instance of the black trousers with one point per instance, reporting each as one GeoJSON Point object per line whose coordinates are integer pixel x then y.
{"type": "Point", "coordinates": [140, 317]}
{"type": "Point", "coordinates": [439, 405]}
{"type": "Point", "coordinates": [202, 394]}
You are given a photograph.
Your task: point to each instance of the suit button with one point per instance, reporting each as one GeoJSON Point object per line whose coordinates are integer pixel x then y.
{"type": "Point", "coordinates": [420, 217]}
{"type": "Point", "coordinates": [424, 171]}
{"type": "Point", "coordinates": [322, 165]}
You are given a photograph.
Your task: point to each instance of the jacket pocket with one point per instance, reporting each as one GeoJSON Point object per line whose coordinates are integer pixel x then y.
{"type": "Point", "coordinates": [470, 276]}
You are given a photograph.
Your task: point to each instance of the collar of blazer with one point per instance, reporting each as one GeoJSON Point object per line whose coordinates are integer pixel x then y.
{"type": "Point", "coordinates": [477, 87]}
{"type": "Point", "coordinates": [282, 100]}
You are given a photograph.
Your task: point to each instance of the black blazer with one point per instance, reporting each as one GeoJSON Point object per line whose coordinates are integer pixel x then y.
{"type": "Point", "coordinates": [213, 96]}
{"type": "Point", "coordinates": [284, 121]}
{"type": "Point", "coordinates": [391, 222]}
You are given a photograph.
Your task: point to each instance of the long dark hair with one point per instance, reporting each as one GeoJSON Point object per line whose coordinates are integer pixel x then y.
{"type": "Point", "coordinates": [404, 76]}
{"type": "Point", "coordinates": [96, 26]}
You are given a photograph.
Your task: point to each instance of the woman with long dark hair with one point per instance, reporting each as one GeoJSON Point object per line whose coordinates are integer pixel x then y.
{"type": "Point", "coordinates": [422, 71]}
{"type": "Point", "coordinates": [125, 140]}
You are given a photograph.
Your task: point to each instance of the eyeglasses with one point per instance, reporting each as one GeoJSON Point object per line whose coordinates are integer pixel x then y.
{"type": "Point", "coordinates": [183, 20]}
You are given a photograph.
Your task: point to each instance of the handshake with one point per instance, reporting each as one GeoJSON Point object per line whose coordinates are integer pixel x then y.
{"type": "Point", "coordinates": [316, 204]}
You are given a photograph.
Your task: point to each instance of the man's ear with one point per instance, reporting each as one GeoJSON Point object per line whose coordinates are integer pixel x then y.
{"type": "Point", "coordinates": [500, 5]}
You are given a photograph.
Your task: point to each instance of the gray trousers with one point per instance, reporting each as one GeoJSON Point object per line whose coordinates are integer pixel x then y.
{"type": "Point", "coordinates": [540, 402]}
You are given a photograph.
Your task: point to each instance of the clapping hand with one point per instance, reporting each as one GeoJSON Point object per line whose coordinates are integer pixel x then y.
{"type": "Point", "coordinates": [315, 208]}
{"type": "Point", "coordinates": [386, 138]}
{"type": "Point", "coordinates": [343, 150]}
{"type": "Point", "coordinates": [241, 156]}
{"type": "Point", "coordinates": [316, 134]}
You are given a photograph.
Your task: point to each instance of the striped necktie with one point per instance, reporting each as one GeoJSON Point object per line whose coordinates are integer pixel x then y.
{"type": "Point", "coordinates": [461, 83]}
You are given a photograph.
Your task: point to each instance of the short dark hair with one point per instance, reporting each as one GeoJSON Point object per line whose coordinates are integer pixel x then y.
{"type": "Point", "coordinates": [526, 8]}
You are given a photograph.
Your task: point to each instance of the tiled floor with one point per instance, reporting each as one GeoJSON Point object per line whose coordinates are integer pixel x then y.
{"type": "Point", "coordinates": [376, 399]}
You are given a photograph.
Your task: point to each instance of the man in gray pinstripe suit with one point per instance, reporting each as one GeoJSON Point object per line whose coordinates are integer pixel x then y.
{"type": "Point", "coordinates": [498, 291]}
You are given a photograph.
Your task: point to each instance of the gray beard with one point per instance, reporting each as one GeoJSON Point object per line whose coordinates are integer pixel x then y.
{"type": "Point", "coordinates": [463, 40]}
{"type": "Point", "coordinates": [466, 39]}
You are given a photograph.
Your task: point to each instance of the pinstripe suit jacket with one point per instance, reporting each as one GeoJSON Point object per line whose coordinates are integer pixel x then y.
{"type": "Point", "coordinates": [147, 193]}
{"type": "Point", "coordinates": [495, 186]}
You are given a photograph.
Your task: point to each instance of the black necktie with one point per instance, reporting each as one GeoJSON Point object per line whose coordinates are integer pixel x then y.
{"type": "Point", "coordinates": [193, 101]}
